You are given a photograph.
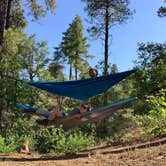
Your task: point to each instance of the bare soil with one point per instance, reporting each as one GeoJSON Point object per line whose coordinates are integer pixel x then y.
{"type": "Point", "coordinates": [151, 153]}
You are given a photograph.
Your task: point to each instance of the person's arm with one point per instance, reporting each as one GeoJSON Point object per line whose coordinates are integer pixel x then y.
{"type": "Point", "coordinates": [53, 115]}
{"type": "Point", "coordinates": [76, 116]}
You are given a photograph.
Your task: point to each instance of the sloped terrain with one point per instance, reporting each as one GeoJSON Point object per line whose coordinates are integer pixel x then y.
{"type": "Point", "coordinates": [151, 153]}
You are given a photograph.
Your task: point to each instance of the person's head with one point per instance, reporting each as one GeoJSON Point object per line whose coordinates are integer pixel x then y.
{"type": "Point", "coordinates": [84, 108]}
{"type": "Point", "coordinates": [93, 72]}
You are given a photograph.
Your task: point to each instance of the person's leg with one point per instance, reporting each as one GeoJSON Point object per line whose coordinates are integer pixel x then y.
{"type": "Point", "coordinates": [54, 115]}
{"type": "Point", "coordinates": [38, 112]}
{"type": "Point", "coordinates": [42, 121]}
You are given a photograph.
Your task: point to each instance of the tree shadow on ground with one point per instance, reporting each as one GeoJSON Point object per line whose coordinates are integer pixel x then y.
{"type": "Point", "coordinates": [43, 158]}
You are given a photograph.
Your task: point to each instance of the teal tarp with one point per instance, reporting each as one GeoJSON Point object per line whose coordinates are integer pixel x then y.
{"type": "Point", "coordinates": [82, 89]}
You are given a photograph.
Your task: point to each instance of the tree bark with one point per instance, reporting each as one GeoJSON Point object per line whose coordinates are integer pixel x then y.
{"type": "Point", "coordinates": [70, 74]}
{"type": "Point", "coordinates": [106, 45]}
{"type": "Point", "coordinates": [75, 72]}
{"type": "Point", "coordinates": [9, 14]}
{"type": "Point", "coordinates": [2, 28]}
{"type": "Point", "coordinates": [75, 66]}
{"type": "Point", "coordinates": [2, 23]}
{"type": "Point", "coordinates": [106, 39]}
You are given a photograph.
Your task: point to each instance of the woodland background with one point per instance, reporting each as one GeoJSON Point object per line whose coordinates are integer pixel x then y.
{"type": "Point", "coordinates": [22, 57]}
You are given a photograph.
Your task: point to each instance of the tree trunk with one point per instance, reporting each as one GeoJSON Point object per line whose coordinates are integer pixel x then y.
{"type": "Point", "coordinates": [9, 14]}
{"type": "Point", "coordinates": [2, 28]}
{"type": "Point", "coordinates": [106, 39]}
{"type": "Point", "coordinates": [2, 23]}
{"type": "Point", "coordinates": [75, 72]}
{"type": "Point", "coordinates": [1, 101]}
{"type": "Point", "coordinates": [70, 72]}
{"type": "Point", "coordinates": [31, 77]}
{"type": "Point", "coordinates": [106, 45]}
{"type": "Point", "coordinates": [75, 66]}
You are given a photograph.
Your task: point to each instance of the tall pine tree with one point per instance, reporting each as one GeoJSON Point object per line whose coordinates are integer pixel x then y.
{"type": "Point", "coordinates": [103, 15]}
{"type": "Point", "coordinates": [74, 48]}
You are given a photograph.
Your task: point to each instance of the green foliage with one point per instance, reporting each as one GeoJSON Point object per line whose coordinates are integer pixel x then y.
{"type": "Point", "coordinates": [22, 55]}
{"type": "Point", "coordinates": [152, 61]}
{"type": "Point", "coordinates": [103, 15]}
{"type": "Point", "coordinates": [114, 69]}
{"type": "Point", "coordinates": [56, 70]}
{"type": "Point", "coordinates": [6, 148]}
{"type": "Point", "coordinates": [100, 11]}
{"type": "Point", "coordinates": [12, 14]}
{"type": "Point", "coordinates": [19, 53]}
{"type": "Point", "coordinates": [9, 66]}
{"type": "Point", "coordinates": [33, 56]}
{"type": "Point", "coordinates": [25, 58]}
{"type": "Point", "coordinates": [15, 14]}
{"type": "Point", "coordinates": [151, 76]}
{"type": "Point", "coordinates": [38, 10]}
{"type": "Point", "coordinates": [22, 129]}
{"type": "Point", "coordinates": [127, 137]}
{"type": "Point", "coordinates": [73, 49]}
{"type": "Point", "coordinates": [56, 140]}
{"type": "Point", "coordinates": [162, 11]}
{"type": "Point", "coordinates": [118, 122]}
{"type": "Point", "coordinates": [155, 121]}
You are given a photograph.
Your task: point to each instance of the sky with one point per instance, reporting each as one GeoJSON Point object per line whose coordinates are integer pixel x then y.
{"type": "Point", "coordinates": [145, 26]}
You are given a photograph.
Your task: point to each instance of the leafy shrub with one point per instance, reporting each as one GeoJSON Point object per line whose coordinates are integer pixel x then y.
{"type": "Point", "coordinates": [75, 142]}
{"type": "Point", "coordinates": [4, 148]}
{"type": "Point", "coordinates": [155, 121]}
{"type": "Point", "coordinates": [127, 137]}
{"type": "Point", "coordinates": [56, 140]}
{"type": "Point", "coordinates": [118, 122]}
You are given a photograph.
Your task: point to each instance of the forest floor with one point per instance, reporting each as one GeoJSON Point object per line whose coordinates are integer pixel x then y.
{"type": "Point", "coordinates": [136, 153]}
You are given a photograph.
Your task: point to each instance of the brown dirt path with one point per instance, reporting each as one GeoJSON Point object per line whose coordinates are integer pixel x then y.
{"type": "Point", "coordinates": [144, 154]}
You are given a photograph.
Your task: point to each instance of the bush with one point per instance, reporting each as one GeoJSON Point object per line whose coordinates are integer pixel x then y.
{"type": "Point", "coordinates": [56, 140]}
{"type": "Point", "coordinates": [118, 122]}
{"type": "Point", "coordinates": [4, 148]}
{"type": "Point", "coordinates": [75, 142]}
{"type": "Point", "coordinates": [155, 121]}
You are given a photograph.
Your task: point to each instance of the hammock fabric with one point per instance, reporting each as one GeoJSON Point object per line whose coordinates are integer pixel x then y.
{"type": "Point", "coordinates": [29, 109]}
{"type": "Point", "coordinates": [82, 89]}
{"type": "Point", "coordinates": [92, 116]}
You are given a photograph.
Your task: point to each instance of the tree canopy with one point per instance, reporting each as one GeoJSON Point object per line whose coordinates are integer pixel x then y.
{"type": "Point", "coordinates": [162, 11]}
{"type": "Point", "coordinates": [74, 48]}
{"type": "Point", "coordinates": [102, 16]}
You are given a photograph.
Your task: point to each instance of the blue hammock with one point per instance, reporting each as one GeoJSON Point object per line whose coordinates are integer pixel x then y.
{"type": "Point", "coordinates": [82, 89]}
{"type": "Point", "coordinates": [28, 109]}
{"type": "Point", "coordinates": [92, 116]}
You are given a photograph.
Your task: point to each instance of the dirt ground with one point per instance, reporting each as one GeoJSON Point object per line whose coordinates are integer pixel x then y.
{"type": "Point", "coordinates": [142, 154]}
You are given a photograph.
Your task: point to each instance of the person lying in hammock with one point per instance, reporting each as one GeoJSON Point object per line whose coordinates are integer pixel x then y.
{"type": "Point", "coordinates": [74, 114]}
